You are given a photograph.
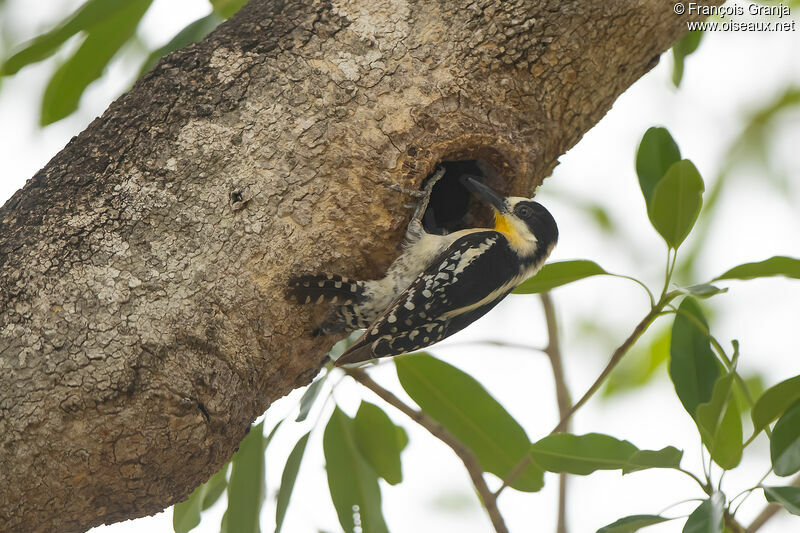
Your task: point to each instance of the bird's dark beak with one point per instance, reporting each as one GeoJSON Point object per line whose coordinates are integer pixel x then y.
{"type": "Point", "coordinates": [484, 193]}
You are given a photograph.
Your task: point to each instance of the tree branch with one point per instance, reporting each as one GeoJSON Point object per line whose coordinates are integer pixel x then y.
{"type": "Point", "coordinates": [553, 351]}
{"type": "Point", "coordinates": [471, 462]}
{"type": "Point", "coordinates": [732, 524]}
{"type": "Point", "coordinates": [616, 357]}
{"type": "Point", "coordinates": [142, 271]}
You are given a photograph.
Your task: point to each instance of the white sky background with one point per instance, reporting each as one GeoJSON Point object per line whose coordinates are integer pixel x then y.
{"type": "Point", "coordinates": [730, 75]}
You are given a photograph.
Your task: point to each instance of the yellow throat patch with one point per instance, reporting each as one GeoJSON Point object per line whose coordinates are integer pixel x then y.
{"type": "Point", "coordinates": [502, 225]}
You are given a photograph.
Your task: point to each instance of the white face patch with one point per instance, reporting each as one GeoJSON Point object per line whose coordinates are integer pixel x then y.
{"type": "Point", "coordinates": [516, 230]}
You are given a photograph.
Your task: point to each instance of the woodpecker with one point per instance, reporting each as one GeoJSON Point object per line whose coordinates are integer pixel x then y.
{"type": "Point", "coordinates": [440, 283]}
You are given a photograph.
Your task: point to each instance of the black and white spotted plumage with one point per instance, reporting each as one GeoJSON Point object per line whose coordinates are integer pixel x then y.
{"type": "Point", "coordinates": [346, 294]}
{"type": "Point", "coordinates": [441, 283]}
{"type": "Point", "coordinates": [429, 309]}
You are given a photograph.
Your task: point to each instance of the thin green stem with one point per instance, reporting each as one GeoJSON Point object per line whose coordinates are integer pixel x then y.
{"type": "Point", "coordinates": [616, 357]}
{"type": "Point", "coordinates": [765, 476]}
{"type": "Point", "coordinates": [751, 439]}
{"type": "Point", "coordinates": [670, 506]}
{"type": "Point", "coordinates": [666, 273]}
{"type": "Point", "coordinates": [710, 464]}
{"type": "Point", "coordinates": [768, 512]}
{"type": "Point", "coordinates": [742, 493]}
{"type": "Point", "coordinates": [670, 267]}
{"type": "Point", "coordinates": [706, 469]}
{"type": "Point", "coordinates": [642, 285]}
{"type": "Point", "coordinates": [699, 481]}
{"type": "Point", "coordinates": [749, 491]}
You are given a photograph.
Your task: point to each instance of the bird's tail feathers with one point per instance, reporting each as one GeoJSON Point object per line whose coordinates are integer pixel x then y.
{"type": "Point", "coordinates": [358, 352]}
{"type": "Point", "coordinates": [318, 288]}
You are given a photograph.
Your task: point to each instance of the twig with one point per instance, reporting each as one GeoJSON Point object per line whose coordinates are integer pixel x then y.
{"type": "Point", "coordinates": [732, 524]}
{"type": "Point", "coordinates": [749, 492]}
{"type": "Point", "coordinates": [471, 462]}
{"type": "Point", "coordinates": [616, 357]}
{"type": "Point", "coordinates": [705, 486]}
{"type": "Point", "coordinates": [768, 512]}
{"type": "Point", "coordinates": [553, 351]}
{"type": "Point", "coordinates": [499, 344]}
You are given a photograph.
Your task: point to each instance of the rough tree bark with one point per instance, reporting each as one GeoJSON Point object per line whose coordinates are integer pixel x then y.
{"type": "Point", "coordinates": [142, 323]}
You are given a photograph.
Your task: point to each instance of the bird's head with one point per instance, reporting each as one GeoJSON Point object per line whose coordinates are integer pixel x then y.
{"type": "Point", "coordinates": [529, 227]}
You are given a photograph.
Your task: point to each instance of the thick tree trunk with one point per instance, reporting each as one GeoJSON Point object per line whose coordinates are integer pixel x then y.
{"type": "Point", "coordinates": [142, 320]}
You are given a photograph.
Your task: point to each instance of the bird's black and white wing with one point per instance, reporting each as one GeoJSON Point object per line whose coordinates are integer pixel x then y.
{"type": "Point", "coordinates": [464, 282]}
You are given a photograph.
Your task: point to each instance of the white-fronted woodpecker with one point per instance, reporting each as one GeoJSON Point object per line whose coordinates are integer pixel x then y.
{"type": "Point", "coordinates": [440, 283]}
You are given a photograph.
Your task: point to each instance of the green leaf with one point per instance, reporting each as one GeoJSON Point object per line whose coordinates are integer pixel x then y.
{"type": "Point", "coordinates": [215, 487]}
{"type": "Point", "coordinates": [246, 487]}
{"type": "Point", "coordinates": [463, 406]}
{"type": "Point", "coordinates": [560, 273]}
{"type": "Point", "coordinates": [669, 457]}
{"type": "Point", "coordinates": [601, 217]}
{"type": "Point", "coordinates": [192, 33]}
{"type": "Point", "coordinates": [103, 40]}
{"type": "Point", "coordinates": [584, 454]}
{"type": "Point", "coordinates": [784, 444]}
{"type": "Point", "coordinates": [774, 402]}
{"type": "Point", "coordinates": [754, 383]}
{"type": "Point", "coordinates": [89, 14]}
{"type": "Point", "coordinates": [581, 454]}
{"type": "Point", "coordinates": [692, 365]}
{"type": "Point", "coordinates": [402, 438]}
{"type": "Point", "coordinates": [352, 482]}
{"type": "Point", "coordinates": [707, 517]}
{"type": "Point", "coordinates": [727, 445]}
{"type": "Point", "coordinates": [309, 396]}
{"type": "Point", "coordinates": [703, 290]}
{"type": "Point", "coordinates": [227, 8]}
{"type": "Point", "coordinates": [378, 441]}
{"type": "Point", "coordinates": [630, 524]}
{"type": "Point", "coordinates": [720, 424]}
{"type": "Point", "coordinates": [186, 515]}
{"type": "Point", "coordinates": [684, 47]}
{"type": "Point", "coordinates": [656, 153]}
{"type": "Point", "coordinates": [288, 478]}
{"type": "Point", "coordinates": [789, 497]}
{"type": "Point", "coordinates": [272, 434]}
{"type": "Point", "coordinates": [774, 266]}
{"type": "Point", "coordinates": [676, 202]}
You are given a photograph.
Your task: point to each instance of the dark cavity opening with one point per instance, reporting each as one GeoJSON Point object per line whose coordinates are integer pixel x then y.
{"type": "Point", "coordinates": [452, 207]}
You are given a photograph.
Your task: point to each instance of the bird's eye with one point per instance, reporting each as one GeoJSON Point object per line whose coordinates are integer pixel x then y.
{"type": "Point", "coordinates": [524, 211]}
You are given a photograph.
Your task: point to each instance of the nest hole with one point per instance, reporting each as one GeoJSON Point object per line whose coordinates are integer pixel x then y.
{"type": "Point", "coordinates": [452, 206]}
